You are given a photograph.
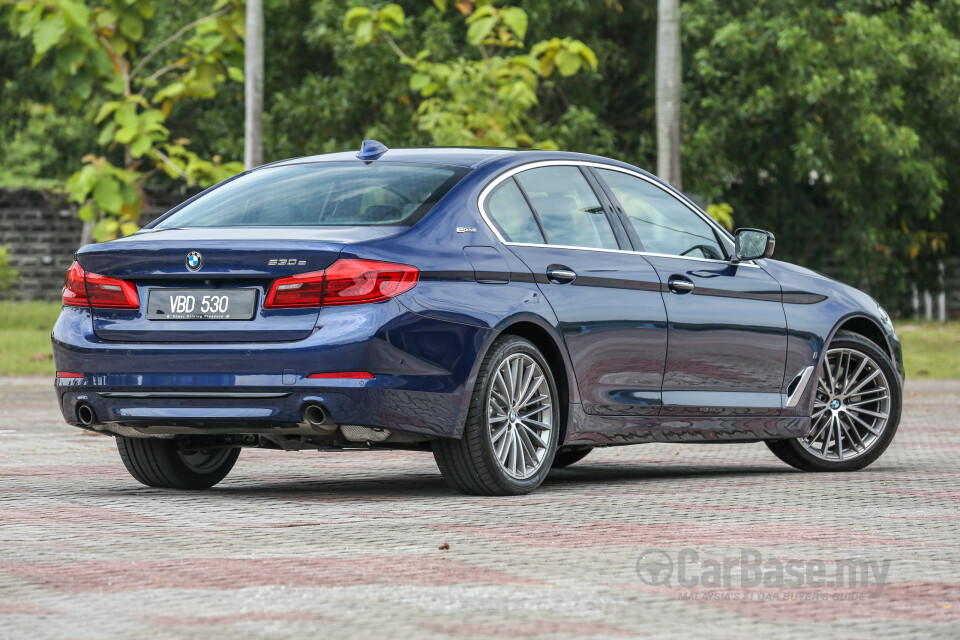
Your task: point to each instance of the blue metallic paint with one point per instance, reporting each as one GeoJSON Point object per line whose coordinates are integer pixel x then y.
{"type": "Point", "coordinates": [717, 362]}
{"type": "Point", "coordinates": [613, 322]}
{"type": "Point", "coordinates": [608, 328]}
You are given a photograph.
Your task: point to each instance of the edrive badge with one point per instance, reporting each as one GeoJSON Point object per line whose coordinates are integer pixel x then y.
{"type": "Point", "coordinates": [194, 260]}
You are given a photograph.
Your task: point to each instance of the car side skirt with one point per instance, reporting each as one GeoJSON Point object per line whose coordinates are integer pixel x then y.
{"type": "Point", "coordinates": [593, 430]}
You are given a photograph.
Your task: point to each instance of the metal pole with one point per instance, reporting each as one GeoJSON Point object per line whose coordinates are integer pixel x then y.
{"type": "Point", "coordinates": [669, 86]}
{"type": "Point", "coordinates": [253, 86]}
{"type": "Point", "coordinates": [942, 297]}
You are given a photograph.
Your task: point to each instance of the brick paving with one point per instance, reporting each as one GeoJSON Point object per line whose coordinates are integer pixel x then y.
{"type": "Point", "coordinates": [348, 544]}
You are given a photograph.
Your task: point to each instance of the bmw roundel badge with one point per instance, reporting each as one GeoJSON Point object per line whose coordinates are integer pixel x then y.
{"type": "Point", "coordinates": [194, 260]}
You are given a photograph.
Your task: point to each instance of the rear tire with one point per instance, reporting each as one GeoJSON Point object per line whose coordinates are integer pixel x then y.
{"type": "Point", "coordinates": [512, 426]}
{"type": "Point", "coordinates": [163, 464]}
{"type": "Point", "coordinates": [565, 458]}
{"type": "Point", "coordinates": [857, 432]}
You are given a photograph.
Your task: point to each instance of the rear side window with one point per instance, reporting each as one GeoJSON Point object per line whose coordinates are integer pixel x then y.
{"type": "Point", "coordinates": [513, 217]}
{"type": "Point", "coordinates": [567, 207]}
{"type": "Point", "coordinates": [322, 194]}
{"type": "Point", "coordinates": [665, 225]}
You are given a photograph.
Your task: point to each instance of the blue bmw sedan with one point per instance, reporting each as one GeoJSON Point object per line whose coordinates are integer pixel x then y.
{"type": "Point", "coordinates": [507, 310]}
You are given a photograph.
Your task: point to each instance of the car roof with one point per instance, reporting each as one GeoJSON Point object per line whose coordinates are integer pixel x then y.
{"type": "Point", "coordinates": [470, 157]}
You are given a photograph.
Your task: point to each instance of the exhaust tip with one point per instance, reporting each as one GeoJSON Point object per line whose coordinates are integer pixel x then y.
{"type": "Point", "coordinates": [85, 414]}
{"type": "Point", "coordinates": [316, 416]}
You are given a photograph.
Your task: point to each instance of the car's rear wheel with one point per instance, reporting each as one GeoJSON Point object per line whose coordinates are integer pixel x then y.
{"type": "Point", "coordinates": [512, 427]}
{"type": "Point", "coordinates": [566, 457]}
{"type": "Point", "coordinates": [856, 410]}
{"type": "Point", "coordinates": [165, 464]}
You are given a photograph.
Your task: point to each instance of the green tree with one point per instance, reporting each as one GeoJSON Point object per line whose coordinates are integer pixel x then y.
{"type": "Point", "coordinates": [129, 91]}
{"type": "Point", "coordinates": [486, 99]}
{"type": "Point", "coordinates": [833, 125]}
{"type": "Point", "coordinates": [39, 131]}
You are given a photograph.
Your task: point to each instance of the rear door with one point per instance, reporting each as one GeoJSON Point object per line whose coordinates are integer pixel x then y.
{"type": "Point", "coordinates": [727, 337]}
{"type": "Point", "coordinates": [606, 299]}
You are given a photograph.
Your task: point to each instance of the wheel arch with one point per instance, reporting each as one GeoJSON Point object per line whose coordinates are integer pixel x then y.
{"type": "Point", "coordinates": [554, 354]}
{"type": "Point", "coordinates": [858, 324]}
{"type": "Point", "coordinates": [865, 327]}
{"type": "Point", "coordinates": [547, 339]}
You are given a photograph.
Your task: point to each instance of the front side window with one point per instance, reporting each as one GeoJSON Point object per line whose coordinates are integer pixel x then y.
{"type": "Point", "coordinates": [322, 194]}
{"type": "Point", "coordinates": [513, 217]}
{"type": "Point", "coordinates": [663, 223]}
{"type": "Point", "coordinates": [567, 207]}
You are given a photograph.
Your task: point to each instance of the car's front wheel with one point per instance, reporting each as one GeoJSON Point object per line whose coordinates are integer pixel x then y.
{"type": "Point", "coordinates": [164, 464]}
{"type": "Point", "coordinates": [856, 410]}
{"type": "Point", "coordinates": [512, 427]}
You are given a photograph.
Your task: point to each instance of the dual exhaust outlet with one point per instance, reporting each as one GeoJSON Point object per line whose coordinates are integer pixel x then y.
{"type": "Point", "coordinates": [313, 414]}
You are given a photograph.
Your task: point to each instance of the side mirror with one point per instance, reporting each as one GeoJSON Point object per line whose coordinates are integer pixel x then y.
{"type": "Point", "coordinates": [752, 244]}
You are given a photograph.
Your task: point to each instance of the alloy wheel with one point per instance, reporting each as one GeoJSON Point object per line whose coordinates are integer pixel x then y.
{"type": "Point", "coordinates": [520, 416]}
{"type": "Point", "coordinates": [851, 408]}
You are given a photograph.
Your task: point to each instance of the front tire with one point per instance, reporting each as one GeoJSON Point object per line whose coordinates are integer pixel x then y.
{"type": "Point", "coordinates": [512, 427]}
{"type": "Point", "coordinates": [856, 410]}
{"type": "Point", "coordinates": [161, 463]}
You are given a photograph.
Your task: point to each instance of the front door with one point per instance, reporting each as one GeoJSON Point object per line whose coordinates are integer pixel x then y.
{"type": "Point", "coordinates": [607, 300]}
{"type": "Point", "coordinates": [727, 329]}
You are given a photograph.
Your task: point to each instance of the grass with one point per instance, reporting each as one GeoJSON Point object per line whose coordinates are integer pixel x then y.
{"type": "Point", "coordinates": [25, 337]}
{"type": "Point", "coordinates": [930, 350]}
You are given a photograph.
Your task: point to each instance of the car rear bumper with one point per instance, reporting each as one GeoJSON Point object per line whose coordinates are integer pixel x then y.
{"type": "Point", "coordinates": [423, 370]}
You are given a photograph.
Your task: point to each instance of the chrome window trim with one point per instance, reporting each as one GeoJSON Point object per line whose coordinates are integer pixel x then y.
{"type": "Point", "coordinates": [487, 190]}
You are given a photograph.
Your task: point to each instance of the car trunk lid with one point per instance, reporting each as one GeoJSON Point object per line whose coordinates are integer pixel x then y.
{"type": "Point", "coordinates": [249, 259]}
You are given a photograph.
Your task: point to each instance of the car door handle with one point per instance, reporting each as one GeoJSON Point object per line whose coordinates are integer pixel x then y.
{"type": "Point", "coordinates": [561, 275]}
{"type": "Point", "coordinates": [680, 284]}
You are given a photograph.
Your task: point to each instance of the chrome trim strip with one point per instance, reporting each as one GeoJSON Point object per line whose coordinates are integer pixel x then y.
{"type": "Point", "coordinates": [794, 397]}
{"type": "Point", "coordinates": [191, 394]}
{"type": "Point", "coordinates": [725, 399]}
{"type": "Point", "coordinates": [481, 199]}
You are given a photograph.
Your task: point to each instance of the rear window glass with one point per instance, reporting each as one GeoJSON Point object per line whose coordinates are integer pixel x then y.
{"type": "Point", "coordinates": [567, 207]}
{"type": "Point", "coordinates": [322, 194]}
{"type": "Point", "coordinates": [512, 215]}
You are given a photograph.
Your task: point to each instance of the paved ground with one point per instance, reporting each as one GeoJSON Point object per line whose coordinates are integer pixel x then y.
{"type": "Point", "coordinates": [349, 545]}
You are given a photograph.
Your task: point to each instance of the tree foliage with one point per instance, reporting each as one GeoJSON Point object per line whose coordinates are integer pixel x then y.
{"type": "Point", "coordinates": [485, 99]}
{"type": "Point", "coordinates": [129, 90]}
{"type": "Point", "coordinates": [835, 124]}
{"type": "Point", "coordinates": [828, 125]}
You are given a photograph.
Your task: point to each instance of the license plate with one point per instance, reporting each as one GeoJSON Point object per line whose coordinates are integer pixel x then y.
{"type": "Point", "coordinates": [201, 304]}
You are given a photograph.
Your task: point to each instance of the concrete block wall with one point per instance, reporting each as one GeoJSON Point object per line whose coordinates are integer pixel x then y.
{"type": "Point", "coordinates": [41, 233]}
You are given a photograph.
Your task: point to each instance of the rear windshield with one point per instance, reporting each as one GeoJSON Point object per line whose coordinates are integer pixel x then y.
{"type": "Point", "coordinates": [322, 194]}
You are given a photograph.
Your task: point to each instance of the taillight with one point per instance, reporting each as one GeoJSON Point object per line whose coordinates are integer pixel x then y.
{"type": "Point", "coordinates": [363, 281]}
{"type": "Point", "coordinates": [344, 282]}
{"type": "Point", "coordinates": [74, 288]}
{"type": "Point", "coordinates": [82, 289]}
{"type": "Point", "coordinates": [303, 290]}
